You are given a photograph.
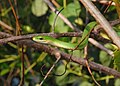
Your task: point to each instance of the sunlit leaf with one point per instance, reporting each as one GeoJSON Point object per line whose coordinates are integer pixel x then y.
{"type": "Point", "coordinates": [27, 29]}
{"type": "Point", "coordinates": [3, 72]}
{"type": "Point", "coordinates": [72, 9]}
{"type": "Point", "coordinates": [104, 35]}
{"type": "Point", "coordinates": [117, 82]}
{"type": "Point", "coordinates": [79, 21]}
{"type": "Point", "coordinates": [9, 58]}
{"type": "Point", "coordinates": [105, 59]}
{"type": "Point", "coordinates": [39, 8]}
{"type": "Point", "coordinates": [111, 46]}
{"type": "Point", "coordinates": [77, 53]}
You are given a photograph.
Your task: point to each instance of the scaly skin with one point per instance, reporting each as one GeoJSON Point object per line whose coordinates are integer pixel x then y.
{"type": "Point", "coordinates": [55, 42]}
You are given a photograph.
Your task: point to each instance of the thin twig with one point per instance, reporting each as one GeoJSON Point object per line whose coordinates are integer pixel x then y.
{"type": "Point", "coordinates": [55, 3]}
{"type": "Point", "coordinates": [57, 13]}
{"type": "Point", "coordinates": [58, 56]}
{"type": "Point", "coordinates": [21, 53]}
{"type": "Point", "coordinates": [18, 29]}
{"type": "Point", "coordinates": [87, 65]}
{"type": "Point", "coordinates": [6, 26]}
{"type": "Point", "coordinates": [28, 64]}
{"type": "Point", "coordinates": [94, 42]}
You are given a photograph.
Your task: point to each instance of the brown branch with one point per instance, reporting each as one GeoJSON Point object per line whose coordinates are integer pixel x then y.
{"type": "Point", "coordinates": [11, 38]}
{"type": "Point", "coordinates": [105, 2]}
{"type": "Point", "coordinates": [5, 25]}
{"type": "Point", "coordinates": [52, 51]}
{"type": "Point", "coordinates": [101, 47]}
{"type": "Point", "coordinates": [66, 56]}
{"type": "Point", "coordinates": [55, 3]}
{"type": "Point", "coordinates": [69, 24]}
{"type": "Point", "coordinates": [112, 23]}
{"type": "Point", "coordinates": [55, 35]}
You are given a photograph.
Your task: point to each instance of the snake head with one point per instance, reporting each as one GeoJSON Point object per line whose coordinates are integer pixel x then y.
{"type": "Point", "coordinates": [42, 39]}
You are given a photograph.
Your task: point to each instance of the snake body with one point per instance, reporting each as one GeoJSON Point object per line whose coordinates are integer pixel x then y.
{"type": "Point", "coordinates": [55, 42]}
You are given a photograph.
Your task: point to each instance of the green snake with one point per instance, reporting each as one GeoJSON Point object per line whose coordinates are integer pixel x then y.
{"type": "Point", "coordinates": [55, 42]}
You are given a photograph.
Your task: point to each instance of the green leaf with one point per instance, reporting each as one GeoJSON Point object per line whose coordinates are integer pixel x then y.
{"type": "Point", "coordinates": [86, 33]}
{"type": "Point", "coordinates": [9, 58]}
{"type": "Point", "coordinates": [77, 53]}
{"type": "Point", "coordinates": [39, 8]}
{"type": "Point", "coordinates": [27, 29]}
{"type": "Point", "coordinates": [71, 12]}
{"type": "Point", "coordinates": [117, 60]}
{"type": "Point", "coordinates": [79, 21]}
{"type": "Point", "coordinates": [117, 82]}
{"type": "Point", "coordinates": [4, 71]}
{"type": "Point", "coordinates": [72, 9]}
{"type": "Point", "coordinates": [111, 46]}
{"type": "Point", "coordinates": [105, 59]}
{"type": "Point", "coordinates": [85, 83]}
{"type": "Point", "coordinates": [117, 29]}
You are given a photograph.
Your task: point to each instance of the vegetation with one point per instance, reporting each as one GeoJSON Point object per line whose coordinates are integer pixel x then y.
{"type": "Point", "coordinates": [23, 61]}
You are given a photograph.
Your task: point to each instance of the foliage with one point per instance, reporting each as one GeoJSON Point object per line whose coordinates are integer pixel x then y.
{"type": "Point", "coordinates": [35, 17]}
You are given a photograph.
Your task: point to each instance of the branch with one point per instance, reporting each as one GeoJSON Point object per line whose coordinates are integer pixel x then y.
{"type": "Point", "coordinates": [112, 23]}
{"type": "Point", "coordinates": [5, 37]}
{"type": "Point", "coordinates": [102, 21]}
{"type": "Point", "coordinates": [53, 51]}
{"type": "Point", "coordinates": [6, 26]}
{"type": "Point", "coordinates": [94, 42]}
{"type": "Point", "coordinates": [106, 2]}
{"type": "Point", "coordinates": [55, 35]}
{"type": "Point", "coordinates": [79, 60]}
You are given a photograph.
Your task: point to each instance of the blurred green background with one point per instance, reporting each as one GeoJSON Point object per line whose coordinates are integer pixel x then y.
{"type": "Point", "coordinates": [36, 17]}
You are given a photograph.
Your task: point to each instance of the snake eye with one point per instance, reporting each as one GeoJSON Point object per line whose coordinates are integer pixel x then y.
{"type": "Point", "coordinates": [41, 38]}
